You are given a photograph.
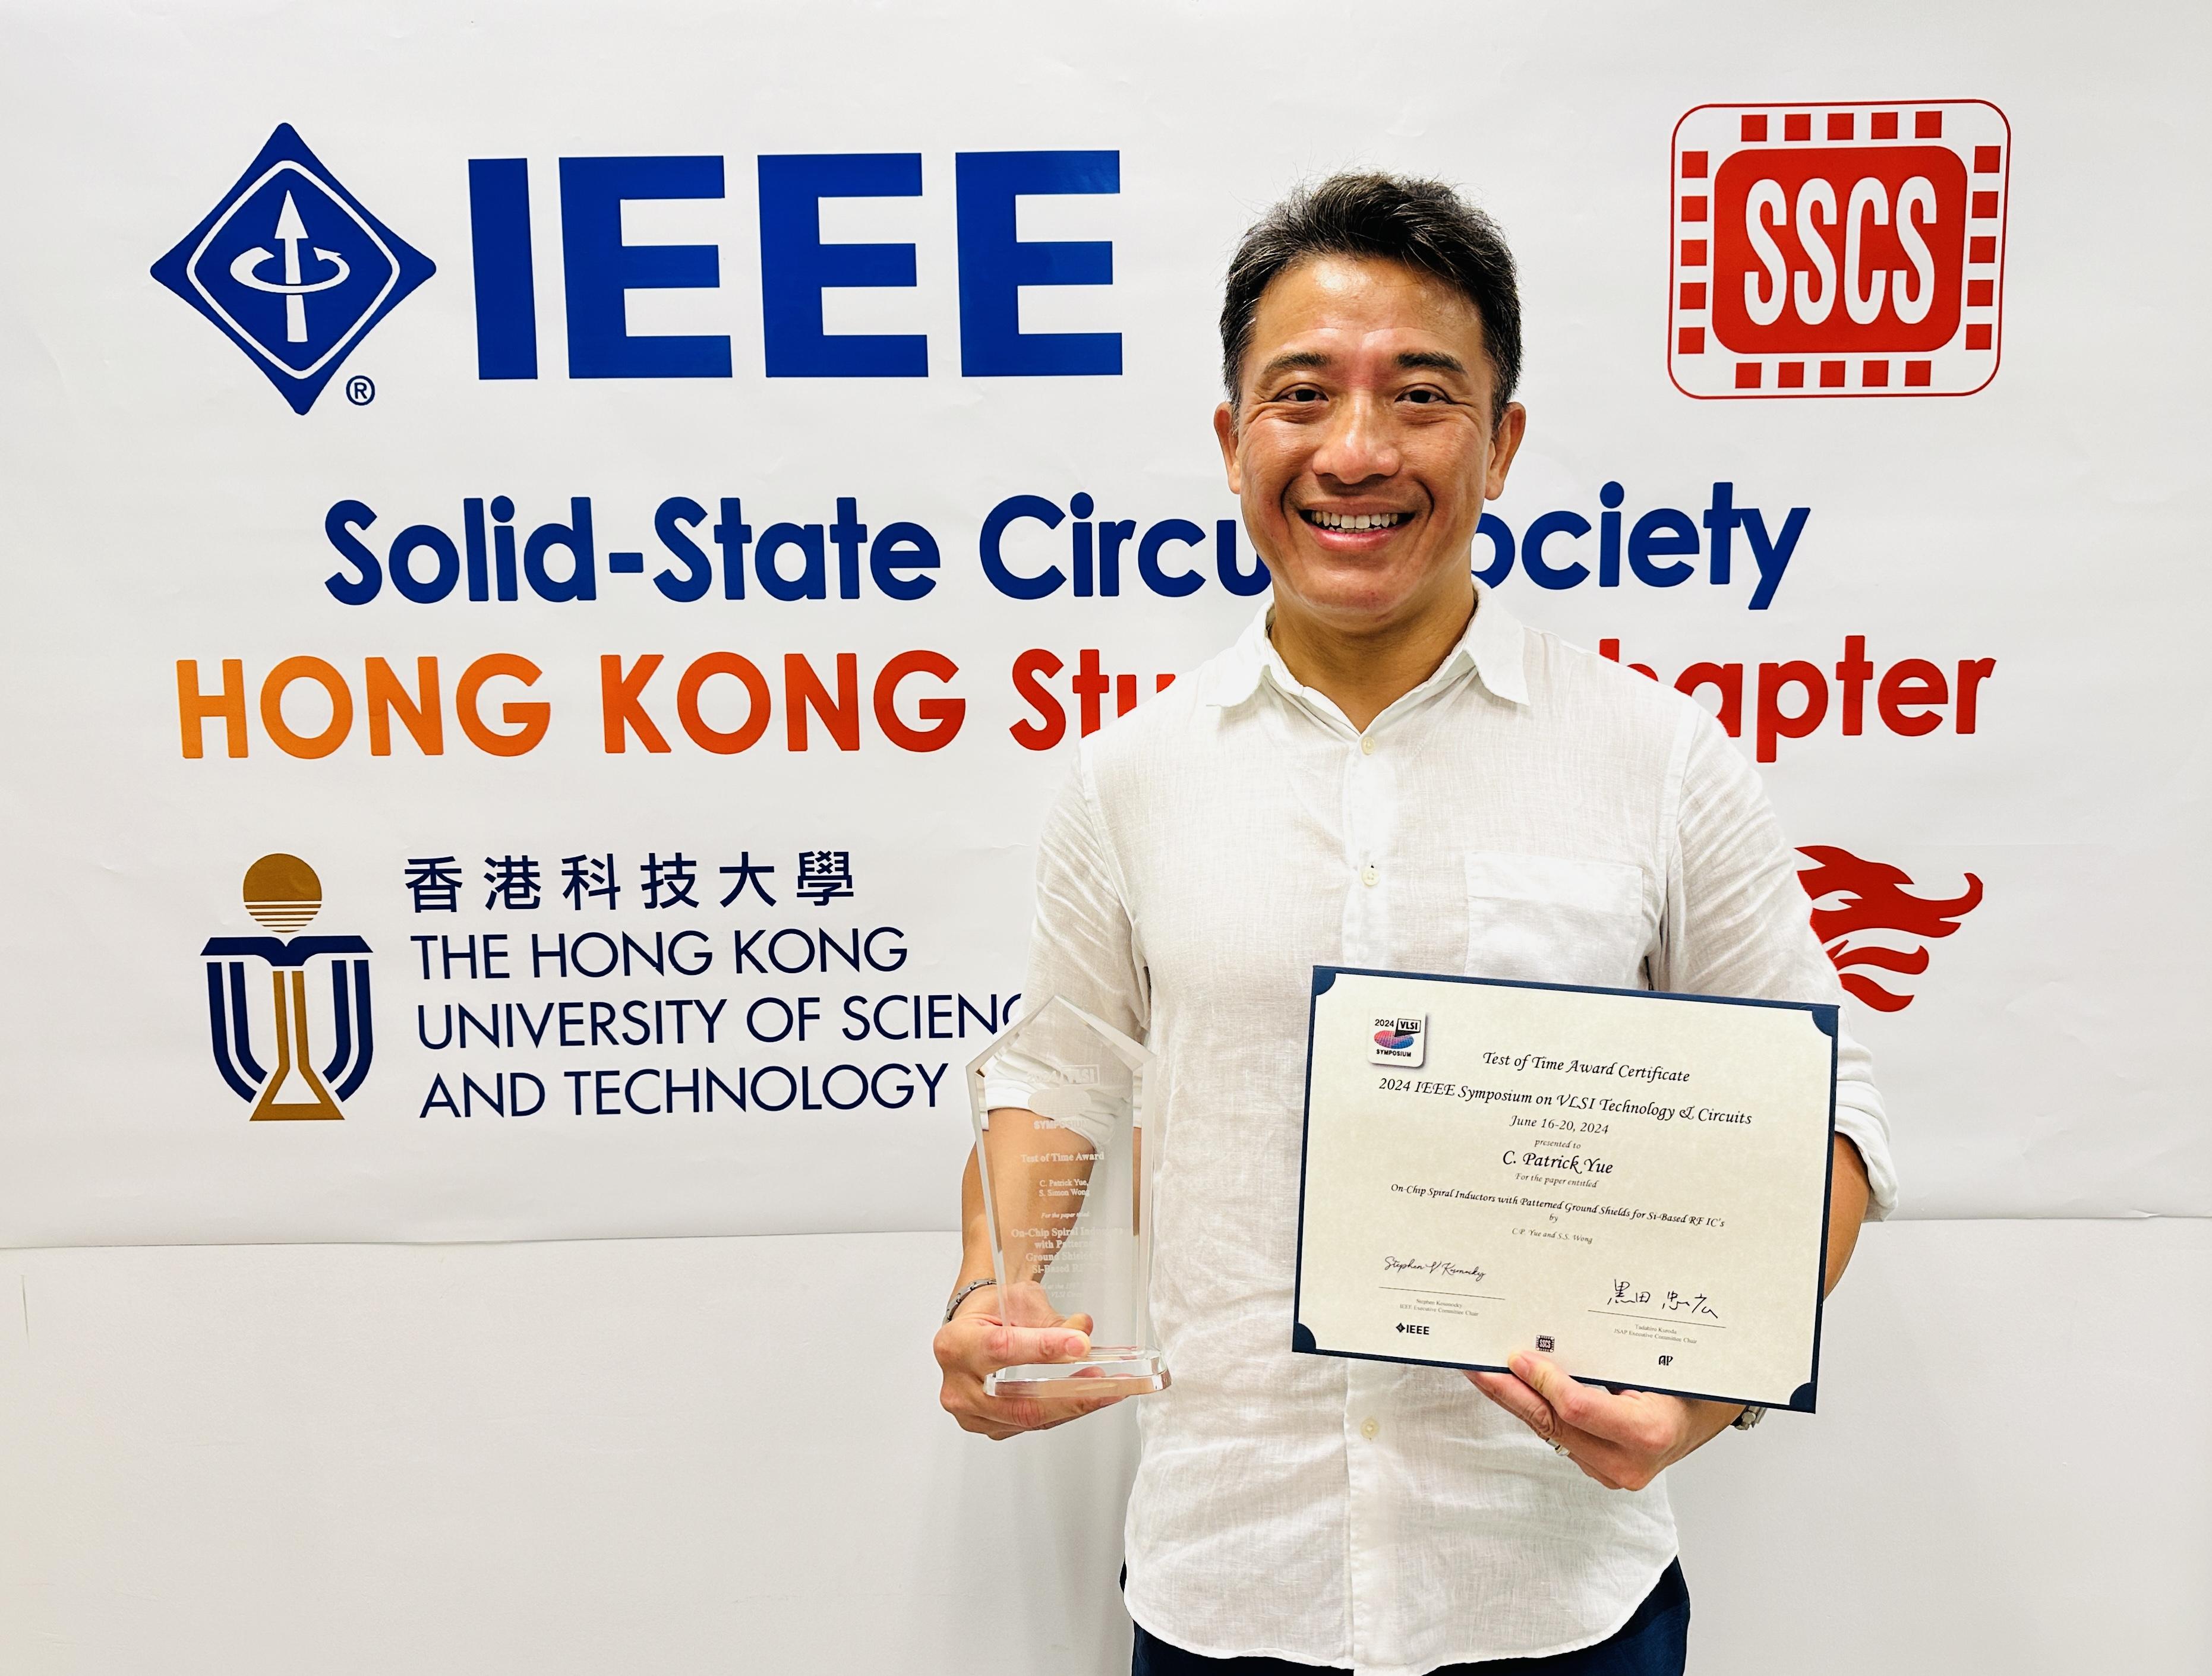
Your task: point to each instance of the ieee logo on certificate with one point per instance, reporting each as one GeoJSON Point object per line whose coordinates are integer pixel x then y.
{"type": "Point", "coordinates": [1401, 1041]}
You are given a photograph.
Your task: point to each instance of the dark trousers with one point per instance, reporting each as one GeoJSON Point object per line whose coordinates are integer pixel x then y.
{"type": "Point", "coordinates": [1655, 1641]}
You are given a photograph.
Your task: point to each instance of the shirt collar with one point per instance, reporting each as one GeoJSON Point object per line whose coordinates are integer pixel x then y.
{"type": "Point", "coordinates": [1492, 646]}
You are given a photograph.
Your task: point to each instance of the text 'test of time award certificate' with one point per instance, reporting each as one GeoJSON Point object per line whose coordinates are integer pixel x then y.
{"type": "Point", "coordinates": [1635, 1184]}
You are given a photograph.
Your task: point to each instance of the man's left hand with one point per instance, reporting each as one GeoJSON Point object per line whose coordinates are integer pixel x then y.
{"type": "Point", "coordinates": [1623, 1440]}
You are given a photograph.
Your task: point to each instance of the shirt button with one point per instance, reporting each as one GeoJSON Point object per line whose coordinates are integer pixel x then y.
{"type": "Point", "coordinates": [1366, 745]}
{"type": "Point", "coordinates": [1369, 1428]}
{"type": "Point", "coordinates": [1368, 875]}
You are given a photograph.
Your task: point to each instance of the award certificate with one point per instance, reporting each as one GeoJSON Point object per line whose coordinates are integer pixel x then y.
{"type": "Point", "coordinates": [1634, 1184]}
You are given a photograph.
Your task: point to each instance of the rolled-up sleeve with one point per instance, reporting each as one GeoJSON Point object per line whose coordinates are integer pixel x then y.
{"type": "Point", "coordinates": [1083, 943]}
{"type": "Point", "coordinates": [1083, 949]}
{"type": "Point", "coordinates": [1737, 923]}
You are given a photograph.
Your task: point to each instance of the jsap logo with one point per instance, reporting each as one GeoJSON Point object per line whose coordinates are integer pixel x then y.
{"type": "Point", "coordinates": [1837, 250]}
{"type": "Point", "coordinates": [282, 894]}
{"type": "Point", "coordinates": [293, 269]}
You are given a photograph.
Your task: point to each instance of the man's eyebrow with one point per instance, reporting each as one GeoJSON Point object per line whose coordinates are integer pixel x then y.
{"type": "Point", "coordinates": [1292, 359]}
{"type": "Point", "coordinates": [1437, 360]}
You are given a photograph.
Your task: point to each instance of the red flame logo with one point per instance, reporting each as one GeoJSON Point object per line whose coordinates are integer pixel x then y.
{"type": "Point", "coordinates": [1864, 915]}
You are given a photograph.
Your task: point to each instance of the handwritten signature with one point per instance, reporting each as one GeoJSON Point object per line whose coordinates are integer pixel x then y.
{"type": "Point", "coordinates": [1627, 1295]}
{"type": "Point", "coordinates": [1432, 1265]}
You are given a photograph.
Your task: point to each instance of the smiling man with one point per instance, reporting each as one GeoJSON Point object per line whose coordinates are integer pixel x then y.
{"type": "Point", "coordinates": [1387, 770]}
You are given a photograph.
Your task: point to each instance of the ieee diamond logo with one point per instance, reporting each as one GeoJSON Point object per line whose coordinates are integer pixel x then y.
{"type": "Point", "coordinates": [292, 268]}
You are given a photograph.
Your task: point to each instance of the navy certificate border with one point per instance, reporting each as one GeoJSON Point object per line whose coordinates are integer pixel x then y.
{"type": "Point", "coordinates": [1826, 1019]}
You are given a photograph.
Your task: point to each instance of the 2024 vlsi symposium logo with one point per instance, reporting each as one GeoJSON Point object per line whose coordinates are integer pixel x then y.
{"type": "Point", "coordinates": [282, 894]}
{"type": "Point", "coordinates": [293, 269]}
{"type": "Point", "coordinates": [1401, 1041]}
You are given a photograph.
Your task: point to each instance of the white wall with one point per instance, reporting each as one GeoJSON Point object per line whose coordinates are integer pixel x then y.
{"type": "Point", "coordinates": [715, 1455]}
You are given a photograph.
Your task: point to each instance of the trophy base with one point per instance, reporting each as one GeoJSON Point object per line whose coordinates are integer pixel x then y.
{"type": "Point", "coordinates": [1108, 1371]}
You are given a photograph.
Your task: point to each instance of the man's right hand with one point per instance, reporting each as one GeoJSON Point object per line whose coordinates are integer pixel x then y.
{"type": "Point", "coordinates": [980, 1340]}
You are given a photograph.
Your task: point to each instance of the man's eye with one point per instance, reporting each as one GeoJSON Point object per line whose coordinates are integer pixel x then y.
{"type": "Point", "coordinates": [1304, 392]}
{"type": "Point", "coordinates": [1422, 394]}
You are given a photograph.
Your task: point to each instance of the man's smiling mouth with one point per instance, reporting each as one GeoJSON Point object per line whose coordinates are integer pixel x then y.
{"type": "Point", "coordinates": [1355, 521]}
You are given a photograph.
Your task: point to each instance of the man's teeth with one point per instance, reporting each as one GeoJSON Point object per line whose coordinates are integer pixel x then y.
{"type": "Point", "coordinates": [1357, 521]}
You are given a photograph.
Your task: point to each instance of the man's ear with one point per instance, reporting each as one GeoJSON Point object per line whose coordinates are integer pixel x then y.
{"type": "Point", "coordinates": [1224, 433]}
{"type": "Point", "coordinates": [1504, 443]}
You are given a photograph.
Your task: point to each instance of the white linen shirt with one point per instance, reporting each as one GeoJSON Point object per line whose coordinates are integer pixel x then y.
{"type": "Point", "coordinates": [1531, 811]}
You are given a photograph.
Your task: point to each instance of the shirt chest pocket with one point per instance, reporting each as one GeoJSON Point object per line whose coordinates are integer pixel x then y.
{"type": "Point", "coordinates": [1553, 920]}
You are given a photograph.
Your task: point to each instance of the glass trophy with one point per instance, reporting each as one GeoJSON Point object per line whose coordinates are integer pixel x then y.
{"type": "Point", "coordinates": [1067, 1184]}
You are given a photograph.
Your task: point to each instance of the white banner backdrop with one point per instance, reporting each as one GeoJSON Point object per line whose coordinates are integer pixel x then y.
{"type": "Point", "coordinates": [553, 559]}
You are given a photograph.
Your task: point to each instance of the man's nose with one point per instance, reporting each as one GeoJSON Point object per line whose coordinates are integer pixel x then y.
{"type": "Point", "coordinates": [1361, 444]}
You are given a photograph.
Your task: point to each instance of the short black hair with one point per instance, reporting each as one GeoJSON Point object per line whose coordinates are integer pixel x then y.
{"type": "Point", "coordinates": [1422, 224]}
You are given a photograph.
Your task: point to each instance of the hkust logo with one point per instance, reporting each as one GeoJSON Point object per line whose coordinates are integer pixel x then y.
{"type": "Point", "coordinates": [293, 269]}
{"type": "Point", "coordinates": [282, 894]}
{"type": "Point", "coordinates": [1401, 1040]}
{"type": "Point", "coordinates": [1866, 917]}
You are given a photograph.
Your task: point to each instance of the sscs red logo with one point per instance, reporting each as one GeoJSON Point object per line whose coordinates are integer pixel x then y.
{"type": "Point", "coordinates": [1865, 916]}
{"type": "Point", "coordinates": [1837, 250]}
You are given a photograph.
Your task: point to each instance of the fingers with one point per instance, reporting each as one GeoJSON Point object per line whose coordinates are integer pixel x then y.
{"type": "Point", "coordinates": [1075, 1409]}
{"type": "Point", "coordinates": [1621, 1440]}
{"type": "Point", "coordinates": [999, 1345]}
{"type": "Point", "coordinates": [971, 1347]}
{"type": "Point", "coordinates": [1591, 1408]}
{"type": "Point", "coordinates": [1519, 1399]}
{"type": "Point", "coordinates": [1642, 1424]}
{"type": "Point", "coordinates": [1001, 1417]}
{"type": "Point", "coordinates": [1593, 1456]}
{"type": "Point", "coordinates": [1577, 1403]}
{"type": "Point", "coordinates": [1604, 1479]}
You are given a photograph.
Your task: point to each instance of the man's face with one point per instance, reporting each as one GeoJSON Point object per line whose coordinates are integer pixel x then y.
{"type": "Point", "coordinates": [1364, 449]}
